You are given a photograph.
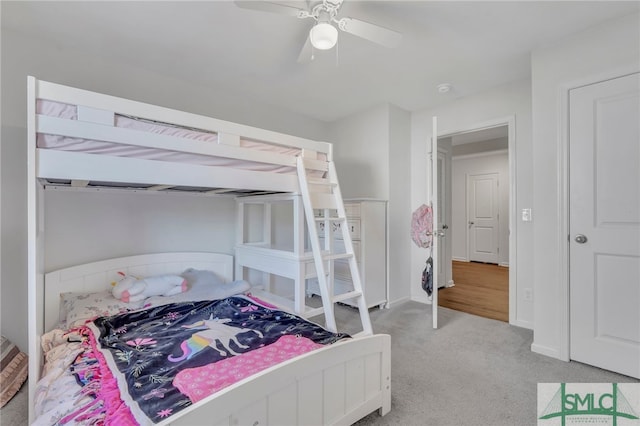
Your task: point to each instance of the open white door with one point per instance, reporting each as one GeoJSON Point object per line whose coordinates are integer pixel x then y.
{"type": "Point", "coordinates": [433, 194]}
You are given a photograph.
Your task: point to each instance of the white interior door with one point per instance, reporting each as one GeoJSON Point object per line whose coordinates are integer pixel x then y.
{"type": "Point", "coordinates": [604, 240]}
{"type": "Point", "coordinates": [436, 231]}
{"type": "Point", "coordinates": [483, 216]}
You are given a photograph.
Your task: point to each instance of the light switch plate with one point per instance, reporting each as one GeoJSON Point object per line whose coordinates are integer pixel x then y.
{"type": "Point", "coordinates": [526, 215]}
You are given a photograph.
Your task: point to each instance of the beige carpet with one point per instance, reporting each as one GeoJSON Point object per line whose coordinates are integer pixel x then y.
{"type": "Point", "coordinates": [472, 371]}
{"type": "Point", "coordinates": [16, 412]}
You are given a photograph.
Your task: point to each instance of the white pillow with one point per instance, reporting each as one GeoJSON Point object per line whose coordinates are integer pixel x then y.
{"type": "Point", "coordinates": [78, 308]}
{"type": "Point", "coordinates": [203, 285]}
{"type": "Point", "coordinates": [201, 278]}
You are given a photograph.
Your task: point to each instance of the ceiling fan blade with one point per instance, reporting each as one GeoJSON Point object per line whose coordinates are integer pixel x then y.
{"type": "Point", "coordinates": [371, 32]}
{"type": "Point", "coordinates": [266, 6]}
{"type": "Point", "coordinates": [306, 53]}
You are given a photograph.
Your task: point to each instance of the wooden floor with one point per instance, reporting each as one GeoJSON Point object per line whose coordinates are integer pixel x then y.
{"type": "Point", "coordinates": [480, 289]}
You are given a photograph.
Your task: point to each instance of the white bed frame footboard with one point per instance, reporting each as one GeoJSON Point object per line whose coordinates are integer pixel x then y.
{"type": "Point", "coordinates": [337, 384]}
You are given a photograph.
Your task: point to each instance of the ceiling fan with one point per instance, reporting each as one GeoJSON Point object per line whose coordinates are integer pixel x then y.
{"type": "Point", "coordinates": [324, 34]}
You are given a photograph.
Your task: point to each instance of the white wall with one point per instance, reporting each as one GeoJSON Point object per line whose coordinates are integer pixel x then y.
{"type": "Point", "coordinates": [510, 100]}
{"type": "Point", "coordinates": [462, 167]}
{"type": "Point", "coordinates": [602, 52]}
{"type": "Point", "coordinates": [115, 225]}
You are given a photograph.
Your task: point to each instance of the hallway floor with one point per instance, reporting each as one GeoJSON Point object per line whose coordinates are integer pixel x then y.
{"type": "Point", "coordinates": [480, 289]}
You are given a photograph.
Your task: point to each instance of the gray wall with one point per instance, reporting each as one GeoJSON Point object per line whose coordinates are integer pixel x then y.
{"type": "Point", "coordinates": [85, 228]}
{"type": "Point", "coordinates": [473, 112]}
{"type": "Point", "coordinates": [372, 151]}
{"type": "Point", "coordinates": [399, 208]}
{"type": "Point", "coordinates": [361, 151]}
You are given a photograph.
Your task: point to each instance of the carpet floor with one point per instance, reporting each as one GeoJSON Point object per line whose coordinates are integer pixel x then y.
{"type": "Point", "coordinates": [471, 371]}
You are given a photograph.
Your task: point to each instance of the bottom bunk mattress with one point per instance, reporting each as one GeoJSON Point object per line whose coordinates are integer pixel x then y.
{"type": "Point", "coordinates": [142, 367]}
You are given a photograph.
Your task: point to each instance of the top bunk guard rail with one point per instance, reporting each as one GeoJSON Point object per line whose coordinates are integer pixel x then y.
{"type": "Point", "coordinates": [98, 123]}
{"type": "Point", "coordinates": [75, 96]}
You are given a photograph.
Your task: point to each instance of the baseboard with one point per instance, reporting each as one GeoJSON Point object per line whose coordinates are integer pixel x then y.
{"type": "Point", "coordinates": [545, 350]}
{"type": "Point", "coordinates": [460, 259]}
{"type": "Point", "coordinates": [423, 298]}
{"type": "Point", "coordinates": [504, 264]}
{"type": "Point", "coordinates": [523, 324]}
{"type": "Point", "coordinates": [397, 302]}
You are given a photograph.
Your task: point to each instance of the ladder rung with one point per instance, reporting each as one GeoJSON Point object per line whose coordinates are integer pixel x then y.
{"type": "Point", "coordinates": [337, 256]}
{"type": "Point", "coordinates": [323, 182]}
{"type": "Point", "coordinates": [314, 312]}
{"type": "Point", "coordinates": [346, 296]}
{"type": "Point", "coordinates": [330, 218]}
{"type": "Point", "coordinates": [323, 201]}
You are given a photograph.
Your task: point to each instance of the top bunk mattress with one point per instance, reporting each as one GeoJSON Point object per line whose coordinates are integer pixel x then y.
{"type": "Point", "coordinates": [91, 146]}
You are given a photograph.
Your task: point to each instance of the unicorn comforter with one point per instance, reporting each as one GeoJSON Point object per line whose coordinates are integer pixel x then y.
{"type": "Point", "coordinates": [144, 366]}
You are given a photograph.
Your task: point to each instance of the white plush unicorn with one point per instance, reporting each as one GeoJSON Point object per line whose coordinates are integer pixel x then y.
{"type": "Point", "coordinates": [131, 289]}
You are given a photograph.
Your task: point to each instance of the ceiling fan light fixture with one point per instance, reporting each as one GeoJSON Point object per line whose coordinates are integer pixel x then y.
{"type": "Point", "coordinates": [323, 36]}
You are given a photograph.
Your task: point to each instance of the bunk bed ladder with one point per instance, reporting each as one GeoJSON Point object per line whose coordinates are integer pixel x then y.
{"type": "Point", "coordinates": [324, 194]}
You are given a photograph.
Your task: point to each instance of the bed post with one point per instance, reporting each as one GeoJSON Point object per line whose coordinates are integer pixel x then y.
{"type": "Point", "coordinates": [35, 244]}
{"type": "Point", "coordinates": [239, 269]}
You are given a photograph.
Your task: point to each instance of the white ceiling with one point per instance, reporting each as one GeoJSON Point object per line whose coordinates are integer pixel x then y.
{"type": "Point", "coordinates": [473, 45]}
{"type": "Point", "coordinates": [499, 132]}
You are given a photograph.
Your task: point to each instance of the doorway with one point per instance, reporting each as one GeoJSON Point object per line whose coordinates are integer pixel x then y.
{"type": "Point", "coordinates": [478, 208]}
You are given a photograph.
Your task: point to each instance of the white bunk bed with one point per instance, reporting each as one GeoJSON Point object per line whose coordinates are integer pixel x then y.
{"type": "Point", "coordinates": [79, 138]}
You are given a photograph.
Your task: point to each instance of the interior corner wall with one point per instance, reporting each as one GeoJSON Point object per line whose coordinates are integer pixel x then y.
{"type": "Point", "coordinates": [510, 100]}
{"type": "Point", "coordinates": [149, 217]}
{"type": "Point", "coordinates": [361, 141]}
{"type": "Point", "coordinates": [399, 207]}
{"type": "Point", "coordinates": [372, 153]}
{"type": "Point", "coordinates": [602, 52]}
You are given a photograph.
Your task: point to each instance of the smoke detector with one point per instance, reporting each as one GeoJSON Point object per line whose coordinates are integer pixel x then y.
{"type": "Point", "coordinates": [444, 87]}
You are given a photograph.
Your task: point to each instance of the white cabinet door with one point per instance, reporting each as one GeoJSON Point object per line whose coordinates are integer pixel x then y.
{"type": "Point", "coordinates": [604, 240]}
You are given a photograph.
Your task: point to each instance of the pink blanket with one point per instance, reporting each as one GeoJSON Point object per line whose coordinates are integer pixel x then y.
{"type": "Point", "coordinates": [198, 383]}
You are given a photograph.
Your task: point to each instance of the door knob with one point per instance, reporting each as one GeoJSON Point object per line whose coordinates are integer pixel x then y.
{"type": "Point", "coordinates": [445, 226]}
{"type": "Point", "coordinates": [581, 239]}
{"type": "Point", "coordinates": [470, 223]}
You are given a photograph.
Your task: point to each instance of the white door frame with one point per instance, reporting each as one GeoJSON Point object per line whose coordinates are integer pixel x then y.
{"type": "Point", "coordinates": [510, 122]}
{"type": "Point", "coordinates": [562, 217]}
